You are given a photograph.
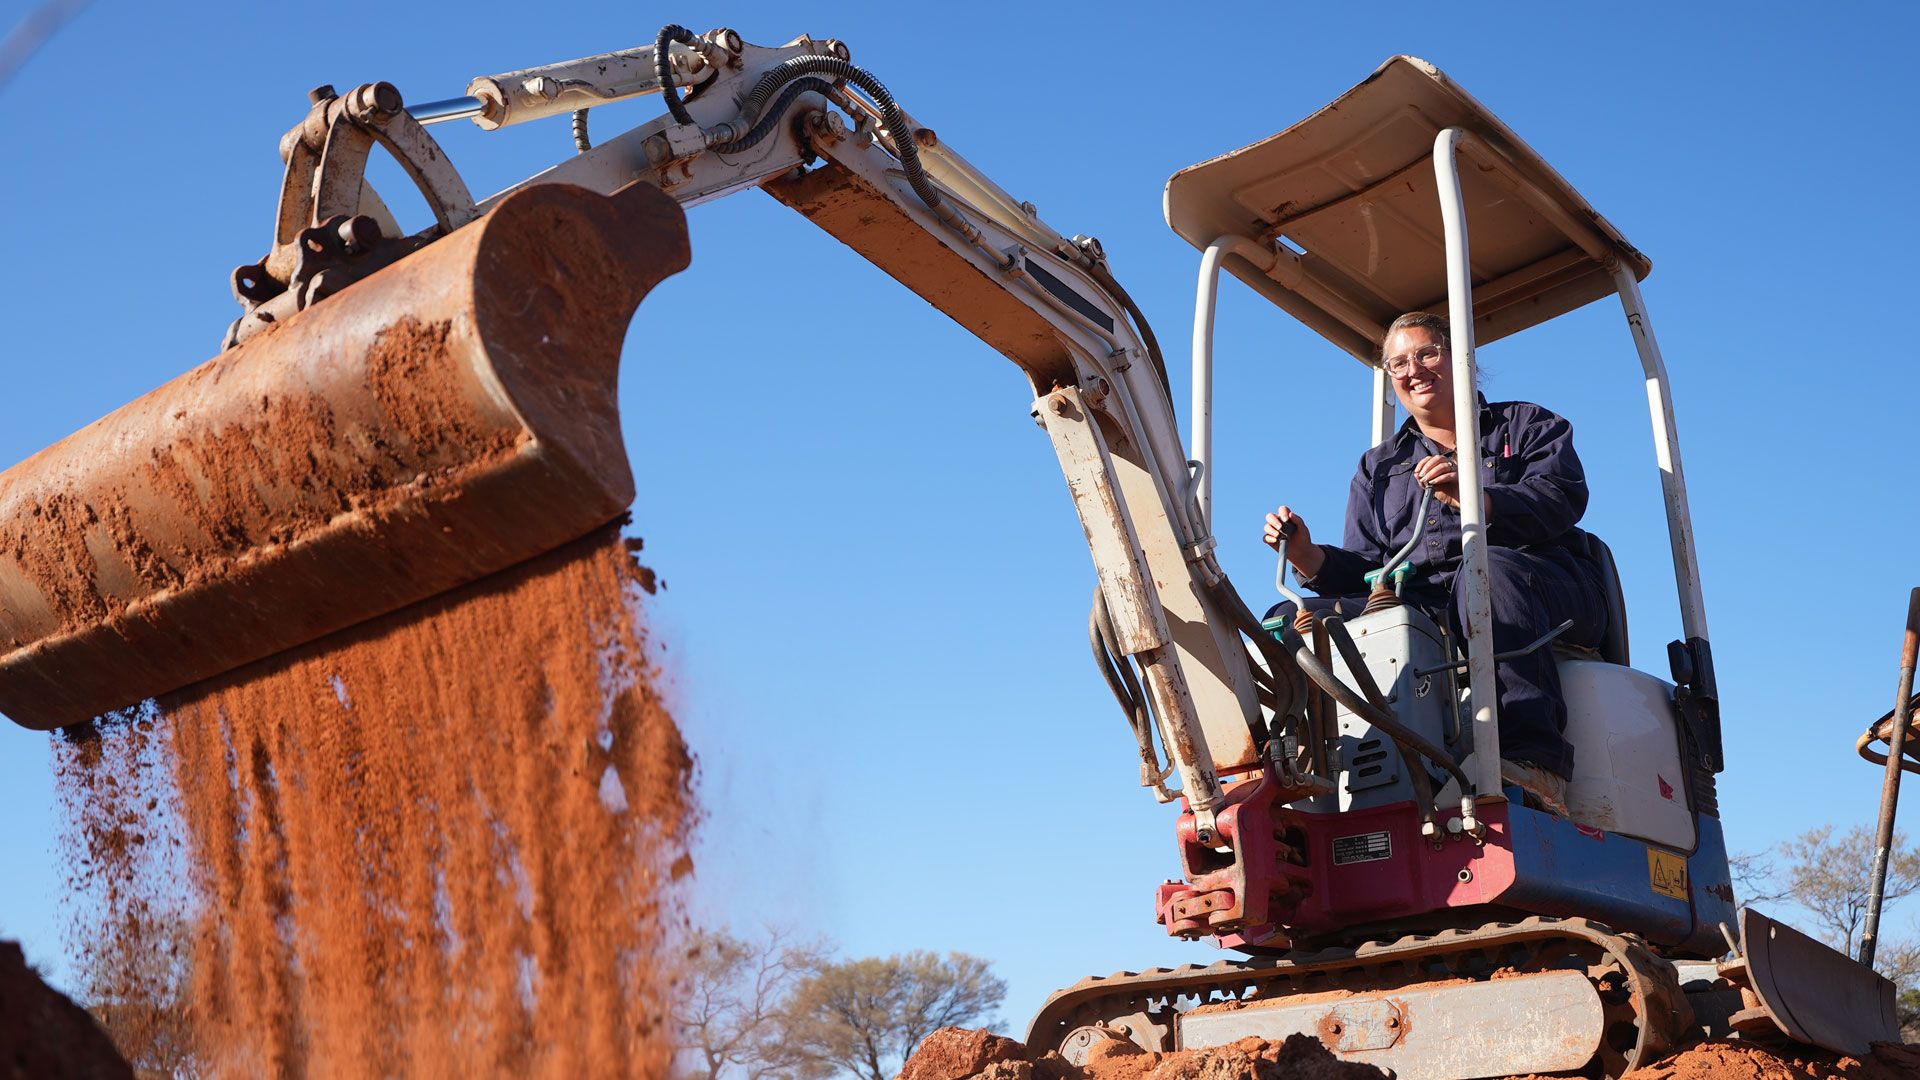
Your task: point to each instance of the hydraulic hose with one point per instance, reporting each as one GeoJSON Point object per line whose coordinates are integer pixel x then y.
{"type": "Point", "coordinates": [904, 146]}
{"type": "Point", "coordinates": [580, 140]}
{"type": "Point", "coordinates": [1120, 680]}
{"type": "Point", "coordinates": [771, 119]}
{"type": "Point", "coordinates": [1117, 669]}
{"type": "Point", "coordinates": [663, 68]}
{"type": "Point", "coordinates": [1350, 653]}
{"type": "Point", "coordinates": [1380, 718]}
{"type": "Point", "coordinates": [1279, 663]}
{"type": "Point", "coordinates": [1104, 277]}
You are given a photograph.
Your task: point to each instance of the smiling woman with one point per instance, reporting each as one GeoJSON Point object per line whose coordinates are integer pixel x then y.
{"type": "Point", "coordinates": [1535, 492]}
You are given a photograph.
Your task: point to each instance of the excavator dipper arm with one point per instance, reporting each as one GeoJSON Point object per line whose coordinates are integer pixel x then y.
{"type": "Point", "coordinates": [800, 121]}
{"type": "Point", "coordinates": [898, 195]}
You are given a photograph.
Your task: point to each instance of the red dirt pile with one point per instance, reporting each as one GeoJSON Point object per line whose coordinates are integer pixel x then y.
{"type": "Point", "coordinates": [956, 1054]}
{"type": "Point", "coordinates": [1747, 1061]}
{"type": "Point", "coordinates": [436, 844]}
{"type": "Point", "coordinates": [44, 1034]}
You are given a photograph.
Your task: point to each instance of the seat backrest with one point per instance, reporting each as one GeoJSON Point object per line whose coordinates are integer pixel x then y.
{"type": "Point", "coordinates": [1613, 647]}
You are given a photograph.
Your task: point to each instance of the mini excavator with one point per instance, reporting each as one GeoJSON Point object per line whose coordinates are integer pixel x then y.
{"type": "Point", "coordinates": [395, 415]}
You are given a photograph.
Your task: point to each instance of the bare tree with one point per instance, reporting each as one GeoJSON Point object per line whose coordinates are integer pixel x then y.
{"type": "Point", "coordinates": [734, 1000]}
{"type": "Point", "coordinates": [1830, 879]}
{"type": "Point", "coordinates": [867, 1016]}
{"type": "Point", "coordinates": [1753, 873]}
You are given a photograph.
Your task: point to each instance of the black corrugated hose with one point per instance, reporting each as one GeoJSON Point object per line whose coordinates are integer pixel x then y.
{"type": "Point", "coordinates": [663, 68]}
{"type": "Point", "coordinates": [771, 119]}
{"type": "Point", "coordinates": [904, 145]}
{"type": "Point", "coordinates": [1310, 666]}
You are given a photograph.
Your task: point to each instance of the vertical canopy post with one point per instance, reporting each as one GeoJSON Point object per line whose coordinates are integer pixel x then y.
{"type": "Point", "coordinates": [1473, 579]}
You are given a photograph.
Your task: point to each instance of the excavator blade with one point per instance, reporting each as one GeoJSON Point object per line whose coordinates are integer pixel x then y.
{"type": "Point", "coordinates": [441, 420]}
{"type": "Point", "coordinates": [1808, 991]}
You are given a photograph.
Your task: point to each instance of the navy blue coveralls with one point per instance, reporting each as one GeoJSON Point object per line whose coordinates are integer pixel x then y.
{"type": "Point", "coordinates": [1536, 560]}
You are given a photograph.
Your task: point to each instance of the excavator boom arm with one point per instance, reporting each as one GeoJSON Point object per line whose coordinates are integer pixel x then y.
{"type": "Point", "coordinates": [827, 139]}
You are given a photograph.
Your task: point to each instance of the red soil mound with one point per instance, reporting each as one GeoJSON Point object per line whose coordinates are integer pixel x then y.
{"type": "Point", "coordinates": [44, 1034]}
{"type": "Point", "coordinates": [431, 845]}
{"type": "Point", "coordinates": [1746, 1061]}
{"type": "Point", "coordinates": [954, 1054]}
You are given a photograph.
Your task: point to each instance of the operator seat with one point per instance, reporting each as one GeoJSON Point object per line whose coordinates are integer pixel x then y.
{"type": "Point", "coordinates": [1612, 647]}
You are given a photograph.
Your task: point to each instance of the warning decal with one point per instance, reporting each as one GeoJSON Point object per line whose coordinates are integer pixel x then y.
{"type": "Point", "coordinates": [1668, 873]}
{"type": "Point", "coordinates": [1364, 847]}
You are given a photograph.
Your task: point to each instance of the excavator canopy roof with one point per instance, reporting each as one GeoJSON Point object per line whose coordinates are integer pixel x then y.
{"type": "Point", "coordinates": [1351, 191]}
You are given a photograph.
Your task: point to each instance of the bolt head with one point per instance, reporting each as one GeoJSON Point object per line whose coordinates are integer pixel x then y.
{"type": "Point", "coordinates": [359, 233]}
{"type": "Point", "coordinates": [375, 101]}
{"type": "Point", "coordinates": [323, 92]}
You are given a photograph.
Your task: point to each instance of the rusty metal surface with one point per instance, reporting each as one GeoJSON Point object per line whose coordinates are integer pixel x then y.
{"type": "Point", "coordinates": [1645, 1012]}
{"type": "Point", "coordinates": [1808, 991]}
{"type": "Point", "coordinates": [440, 421]}
{"type": "Point", "coordinates": [1541, 1022]}
{"type": "Point", "coordinates": [331, 229]}
{"type": "Point", "coordinates": [870, 222]}
{"type": "Point", "coordinates": [1897, 731]}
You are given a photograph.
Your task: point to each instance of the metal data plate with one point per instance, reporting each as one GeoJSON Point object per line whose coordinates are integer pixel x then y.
{"type": "Point", "coordinates": [1543, 1022]}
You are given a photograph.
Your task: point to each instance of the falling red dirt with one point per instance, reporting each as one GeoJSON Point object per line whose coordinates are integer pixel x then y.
{"type": "Point", "coordinates": [436, 844]}
{"type": "Point", "coordinates": [956, 1054]}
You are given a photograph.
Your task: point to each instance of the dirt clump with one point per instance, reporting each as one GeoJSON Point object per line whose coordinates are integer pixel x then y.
{"type": "Point", "coordinates": [1730, 1060]}
{"type": "Point", "coordinates": [44, 1034]}
{"type": "Point", "coordinates": [435, 844]}
{"type": "Point", "coordinates": [956, 1054]}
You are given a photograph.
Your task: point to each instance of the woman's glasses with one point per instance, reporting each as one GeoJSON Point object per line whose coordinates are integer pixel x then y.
{"type": "Point", "coordinates": [1427, 356]}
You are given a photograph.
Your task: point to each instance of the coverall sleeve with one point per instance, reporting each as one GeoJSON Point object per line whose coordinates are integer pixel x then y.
{"type": "Point", "coordinates": [1550, 493]}
{"type": "Point", "coordinates": [1343, 574]}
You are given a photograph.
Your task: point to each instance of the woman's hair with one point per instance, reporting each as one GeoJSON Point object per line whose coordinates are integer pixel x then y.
{"type": "Point", "coordinates": [1420, 320]}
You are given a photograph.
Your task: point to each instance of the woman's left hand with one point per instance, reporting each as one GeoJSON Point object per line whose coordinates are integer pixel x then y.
{"type": "Point", "coordinates": [1443, 476]}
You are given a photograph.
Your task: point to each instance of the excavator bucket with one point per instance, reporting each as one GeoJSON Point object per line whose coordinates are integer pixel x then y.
{"type": "Point", "coordinates": [447, 417]}
{"type": "Point", "coordinates": [1807, 991]}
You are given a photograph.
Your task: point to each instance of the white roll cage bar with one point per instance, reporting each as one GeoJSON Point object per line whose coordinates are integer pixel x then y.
{"type": "Point", "coordinates": [1343, 315]}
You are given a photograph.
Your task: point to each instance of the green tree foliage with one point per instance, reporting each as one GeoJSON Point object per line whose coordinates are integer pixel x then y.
{"type": "Point", "coordinates": [1907, 1007]}
{"type": "Point", "coordinates": [866, 1016]}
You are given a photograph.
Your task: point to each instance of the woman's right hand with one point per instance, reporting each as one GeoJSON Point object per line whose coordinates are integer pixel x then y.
{"type": "Point", "coordinates": [1302, 552]}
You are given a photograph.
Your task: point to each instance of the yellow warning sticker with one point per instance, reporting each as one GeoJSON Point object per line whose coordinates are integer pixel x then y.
{"type": "Point", "coordinates": [1668, 873]}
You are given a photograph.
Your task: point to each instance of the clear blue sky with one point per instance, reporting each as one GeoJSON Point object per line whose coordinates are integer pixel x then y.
{"type": "Point", "coordinates": [874, 620]}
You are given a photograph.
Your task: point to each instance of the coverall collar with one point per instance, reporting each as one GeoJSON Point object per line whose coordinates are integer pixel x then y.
{"type": "Point", "coordinates": [1410, 428]}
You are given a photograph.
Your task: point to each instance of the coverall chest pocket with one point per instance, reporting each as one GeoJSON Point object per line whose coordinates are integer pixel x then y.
{"type": "Point", "coordinates": [1398, 496]}
{"type": "Point", "coordinates": [1505, 469]}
